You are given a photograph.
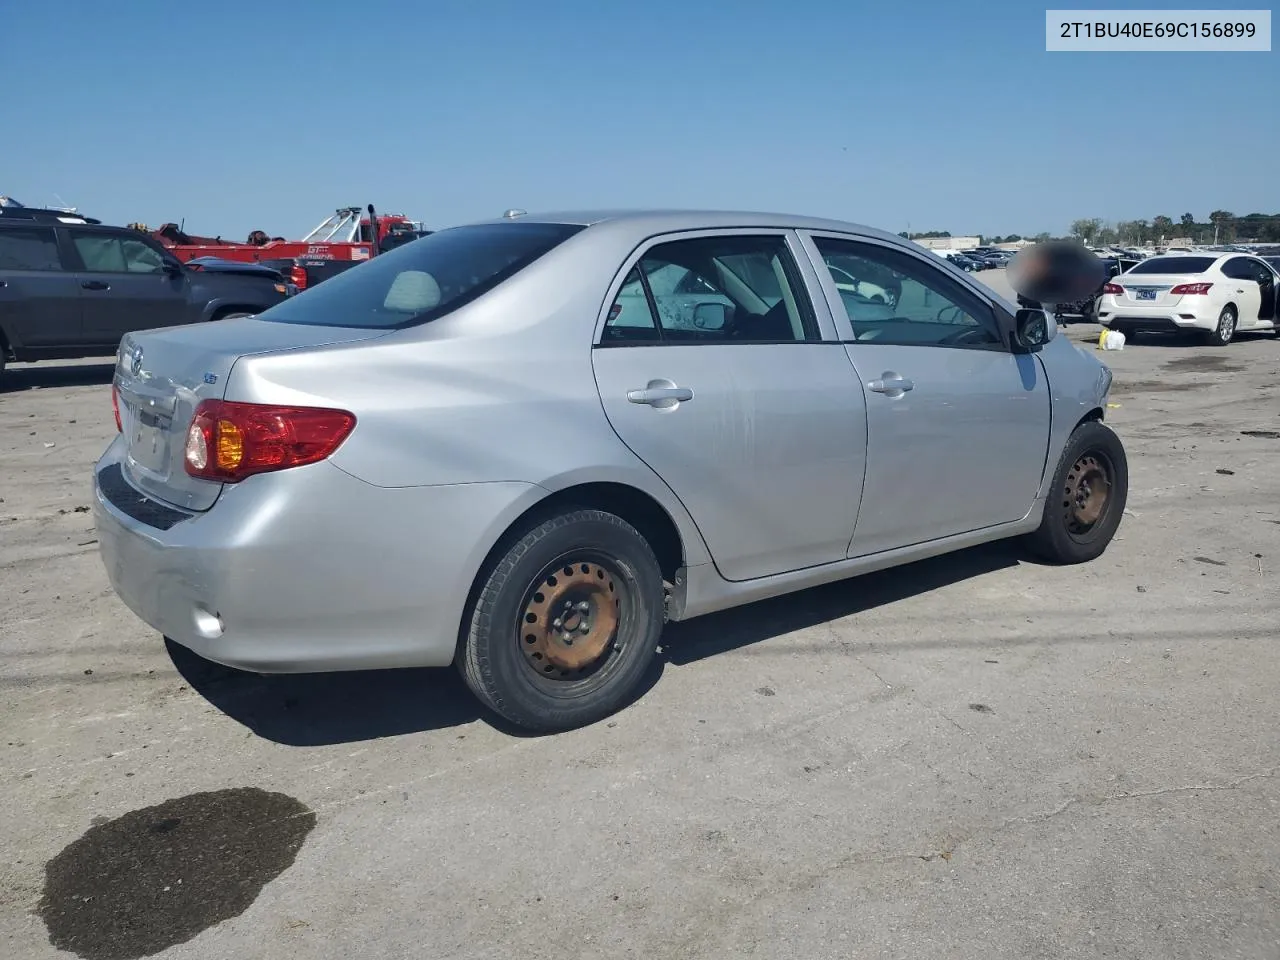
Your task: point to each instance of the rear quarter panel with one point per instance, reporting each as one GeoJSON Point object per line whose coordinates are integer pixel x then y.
{"type": "Point", "coordinates": [501, 390]}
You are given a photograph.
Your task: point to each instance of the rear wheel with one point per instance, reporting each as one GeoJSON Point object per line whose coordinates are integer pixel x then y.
{"type": "Point", "coordinates": [1086, 499]}
{"type": "Point", "coordinates": [232, 314]}
{"type": "Point", "coordinates": [1221, 335]}
{"type": "Point", "coordinates": [566, 622]}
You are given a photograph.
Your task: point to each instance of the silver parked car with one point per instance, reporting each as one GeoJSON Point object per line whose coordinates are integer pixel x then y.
{"type": "Point", "coordinates": [522, 446]}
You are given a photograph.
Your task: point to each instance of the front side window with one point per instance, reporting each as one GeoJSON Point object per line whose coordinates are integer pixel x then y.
{"type": "Point", "coordinates": [100, 252]}
{"type": "Point", "coordinates": [892, 297]}
{"type": "Point", "coordinates": [28, 248]}
{"type": "Point", "coordinates": [425, 279]}
{"type": "Point", "coordinates": [724, 289]}
{"type": "Point", "coordinates": [141, 258]}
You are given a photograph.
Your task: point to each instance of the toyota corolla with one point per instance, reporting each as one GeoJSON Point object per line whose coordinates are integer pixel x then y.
{"type": "Point", "coordinates": [499, 447]}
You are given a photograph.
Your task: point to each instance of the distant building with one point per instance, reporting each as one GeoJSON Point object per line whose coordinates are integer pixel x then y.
{"type": "Point", "coordinates": [948, 243]}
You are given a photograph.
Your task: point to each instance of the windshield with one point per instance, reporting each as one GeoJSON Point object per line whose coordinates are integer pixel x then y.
{"type": "Point", "coordinates": [1174, 265]}
{"type": "Point", "coordinates": [425, 279]}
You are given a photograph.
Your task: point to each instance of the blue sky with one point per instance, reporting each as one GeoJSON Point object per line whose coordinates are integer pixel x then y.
{"type": "Point", "coordinates": [933, 115]}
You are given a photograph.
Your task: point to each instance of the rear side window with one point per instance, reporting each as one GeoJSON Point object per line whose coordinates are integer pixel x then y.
{"type": "Point", "coordinates": [425, 279]}
{"type": "Point", "coordinates": [1183, 264]}
{"type": "Point", "coordinates": [28, 249]}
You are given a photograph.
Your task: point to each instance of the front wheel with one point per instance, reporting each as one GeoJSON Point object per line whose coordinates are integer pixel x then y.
{"type": "Point", "coordinates": [1221, 335]}
{"type": "Point", "coordinates": [566, 622]}
{"type": "Point", "coordinates": [1086, 498]}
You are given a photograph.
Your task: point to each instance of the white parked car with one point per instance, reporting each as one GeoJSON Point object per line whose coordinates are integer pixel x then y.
{"type": "Point", "coordinates": [1215, 294]}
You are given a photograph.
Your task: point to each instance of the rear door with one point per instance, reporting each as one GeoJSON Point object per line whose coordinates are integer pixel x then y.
{"type": "Point", "coordinates": [735, 398]}
{"type": "Point", "coordinates": [126, 286]}
{"type": "Point", "coordinates": [957, 424]}
{"type": "Point", "coordinates": [39, 296]}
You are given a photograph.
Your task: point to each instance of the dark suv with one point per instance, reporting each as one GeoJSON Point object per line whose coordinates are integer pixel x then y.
{"type": "Point", "coordinates": [71, 287]}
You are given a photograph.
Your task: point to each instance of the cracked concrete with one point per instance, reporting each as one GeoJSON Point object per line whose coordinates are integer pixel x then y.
{"type": "Point", "coordinates": [1116, 795]}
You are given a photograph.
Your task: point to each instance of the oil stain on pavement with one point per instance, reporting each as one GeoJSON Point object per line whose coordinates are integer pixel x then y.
{"type": "Point", "coordinates": [158, 876]}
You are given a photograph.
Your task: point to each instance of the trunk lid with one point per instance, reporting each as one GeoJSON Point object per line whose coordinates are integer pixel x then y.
{"type": "Point", "coordinates": [1152, 289]}
{"type": "Point", "coordinates": [162, 376]}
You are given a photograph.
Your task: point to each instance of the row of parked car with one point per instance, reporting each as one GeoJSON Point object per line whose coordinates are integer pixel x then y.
{"type": "Point", "coordinates": [981, 258]}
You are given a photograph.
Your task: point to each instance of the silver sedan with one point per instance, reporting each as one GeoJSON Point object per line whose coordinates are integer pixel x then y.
{"type": "Point", "coordinates": [522, 446]}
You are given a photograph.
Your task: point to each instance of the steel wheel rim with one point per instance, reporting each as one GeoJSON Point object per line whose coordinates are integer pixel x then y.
{"type": "Point", "coordinates": [569, 622]}
{"type": "Point", "coordinates": [1086, 494]}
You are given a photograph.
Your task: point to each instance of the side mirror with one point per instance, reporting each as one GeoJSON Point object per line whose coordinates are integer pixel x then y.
{"type": "Point", "coordinates": [173, 268]}
{"type": "Point", "coordinates": [711, 316]}
{"type": "Point", "coordinates": [1032, 329]}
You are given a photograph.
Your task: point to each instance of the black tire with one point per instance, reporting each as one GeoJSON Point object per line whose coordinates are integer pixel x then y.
{"type": "Point", "coordinates": [1092, 462]}
{"type": "Point", "coordinates": [514, 657]}
{"type": "Point", "coordinates": [1222, 334]}
{"type": "Point", "coordinates": [1090, 313]}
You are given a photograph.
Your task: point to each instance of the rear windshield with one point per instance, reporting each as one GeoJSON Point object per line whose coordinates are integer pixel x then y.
{"type": "Point", "coordinates": [1174, 265]}
{"type": "Point", "coordinates": [425, 279]}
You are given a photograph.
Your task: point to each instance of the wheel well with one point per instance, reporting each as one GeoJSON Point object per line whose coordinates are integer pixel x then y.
{"type": "Point", "coordinates": [4, 346]}
{"type": "Point", "coordinates": [1096, 413]}
{"type": "Point", "coordinates": [223, 311]}
{"type": "Point", "coordinates": [632, 505]}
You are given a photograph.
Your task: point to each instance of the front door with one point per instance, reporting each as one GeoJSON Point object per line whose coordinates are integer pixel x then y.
{"type": "Point", "coordinates": [715, 375]}
{"type": "Point", "coordinates": [957, 425]}
{"type": "Point", "coordinates": [126, 286]}
{"type": "Point", "coordinates": [39, 297]}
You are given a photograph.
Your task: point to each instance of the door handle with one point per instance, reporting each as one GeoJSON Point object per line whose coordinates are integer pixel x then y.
{"type": "Point", "coordinates": [891, 383]}
{"type": "Point", "coordinates": [95, 285]}
{"type": "Point", "coordinates": [659, 395]}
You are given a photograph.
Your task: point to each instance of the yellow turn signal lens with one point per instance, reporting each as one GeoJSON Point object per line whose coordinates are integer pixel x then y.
{"type": "Point", "coordinates": [230, 446]}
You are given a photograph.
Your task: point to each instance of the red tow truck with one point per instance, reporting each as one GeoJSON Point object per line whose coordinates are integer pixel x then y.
{"type": "Point", "coordinates": [346, 238]}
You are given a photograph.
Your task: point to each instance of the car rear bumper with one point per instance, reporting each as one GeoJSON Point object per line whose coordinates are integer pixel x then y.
{"type": "Point", "coordinates": [1175, 317]}
{"type": "Point", "coordinates": [303, 570]}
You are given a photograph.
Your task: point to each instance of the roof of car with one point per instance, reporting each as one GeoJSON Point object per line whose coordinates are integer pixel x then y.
{"type": "Point", "coordinates": [665, 220]}
{"type": "Point", "coordinates": [28, 215]}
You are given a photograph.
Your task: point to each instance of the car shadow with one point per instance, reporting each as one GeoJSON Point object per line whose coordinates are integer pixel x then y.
{"type": "Point", "coordinates": [717, 633]}
{"type": "Point", "coordinates": [320, 709]}
{"type": "Point", "coordinates": [305, 710]}
{"type": "Point", "coordinates": [45, 376]}
{"type": "Point", "coordinates": [1186, 339]}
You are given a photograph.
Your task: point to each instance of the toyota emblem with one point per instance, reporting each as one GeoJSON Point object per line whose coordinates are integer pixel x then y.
{"type": "Point", "coordinates": [135, 361]}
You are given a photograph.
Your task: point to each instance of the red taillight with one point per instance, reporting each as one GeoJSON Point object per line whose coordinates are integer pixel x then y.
{"type": "Point", "coordinates": [298, 276]}
{"type": "Point", "coordinates": [115, 408]}
{"type": "Point", "coordinates": [1191, 289]}
{"type": "Point", "coordinates": [1113, 288]}
{"type": "Point", "coordinates": [230, 441]}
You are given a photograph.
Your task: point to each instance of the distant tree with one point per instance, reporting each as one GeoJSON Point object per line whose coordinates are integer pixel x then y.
{"type": "Point", "coordinates": [1187, 220]}
{"type": "Point", "coordinates": [1162, 227]}
{"type": "Point", "coordinates": [1259, 226]}
{"type": "Point", "coordinates": [904, 235]}
{"type": "Point", "coordinates": [930, 234]}
{"type": "Point", "coordinates": [1106, 235]}
{"type": "Point", "coordinates": [1087, 229]}
{"type": "Point", "coordinates": [1042, 237]}
{"type": "Point", "coordinates": [1224, 226]}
